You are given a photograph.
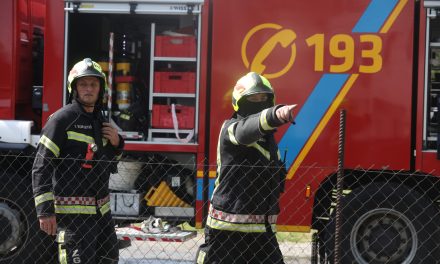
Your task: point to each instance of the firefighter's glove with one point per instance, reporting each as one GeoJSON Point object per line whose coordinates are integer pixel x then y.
{"type": "Point", "coordinates": [285, 113]}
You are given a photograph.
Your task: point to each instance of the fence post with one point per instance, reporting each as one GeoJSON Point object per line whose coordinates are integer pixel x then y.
{"type": "Point", "coordinates": [339, 183]}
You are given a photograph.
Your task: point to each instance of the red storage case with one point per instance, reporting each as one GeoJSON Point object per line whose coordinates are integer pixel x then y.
{"type": "Point", "coordinates": [162, 116]}
{"type": "Point", "coordinates": [168, 46]}
{"type": "Point", "coordinates": [174, 82]}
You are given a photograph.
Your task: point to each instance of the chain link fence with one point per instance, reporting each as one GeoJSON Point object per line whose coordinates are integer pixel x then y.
{"type": "Point", "coordinates": [157, 204]}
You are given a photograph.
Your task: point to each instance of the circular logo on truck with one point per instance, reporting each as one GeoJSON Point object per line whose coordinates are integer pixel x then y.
{"type": "Point", "coordinates": [279, 37]}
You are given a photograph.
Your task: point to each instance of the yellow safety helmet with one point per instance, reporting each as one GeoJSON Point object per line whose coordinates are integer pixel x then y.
{"type": "Point", "coordinates": [251, 83]}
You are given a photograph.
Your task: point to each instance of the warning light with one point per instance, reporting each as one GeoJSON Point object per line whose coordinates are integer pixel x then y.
{"type": "Point", "coordinates": [308, 191]}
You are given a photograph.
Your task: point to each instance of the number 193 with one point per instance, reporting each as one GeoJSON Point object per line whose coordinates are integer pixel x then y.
{"type": "Point", "coordinates": [342, 46]}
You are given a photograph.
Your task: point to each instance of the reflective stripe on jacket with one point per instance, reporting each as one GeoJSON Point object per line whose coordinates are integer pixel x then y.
{"type": "Point", "coordinates": [73, 160]}
{"type": "Point", "coordinates": [81, 205]}
{"type": "Point", "coordinates": [239, 222]}
{"type": "Point", "coordinates": [250, 174]}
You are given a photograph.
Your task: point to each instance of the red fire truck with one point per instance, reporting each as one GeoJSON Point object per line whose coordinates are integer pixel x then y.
{"type": "Point", "coordinates": [172, 66]}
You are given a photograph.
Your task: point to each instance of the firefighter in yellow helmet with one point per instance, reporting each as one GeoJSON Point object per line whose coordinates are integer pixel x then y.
{"type": "Point", "coordinates": [70, 176]}
{"type": "Point", "coordinates": [240, 227]}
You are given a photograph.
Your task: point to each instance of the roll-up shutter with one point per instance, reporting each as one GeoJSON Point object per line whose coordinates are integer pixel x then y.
{"type": "Point", "coordinates": [171, 7]}
{"type": "Point", "coordinates": [432, 3]}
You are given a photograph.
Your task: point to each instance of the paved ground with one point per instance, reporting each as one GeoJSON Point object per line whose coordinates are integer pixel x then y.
{"type": "Point", "coordinates": [143, 252]}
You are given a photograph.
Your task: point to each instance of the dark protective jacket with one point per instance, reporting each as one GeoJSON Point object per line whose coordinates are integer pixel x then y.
{"type": "Point", "coordinates": [73, 163]}
{"type": "Point", "coordinates": [250, 174]}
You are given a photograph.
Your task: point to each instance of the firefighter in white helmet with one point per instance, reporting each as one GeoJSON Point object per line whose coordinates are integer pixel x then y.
{"type": "Point", "coordinates": [240, 227]}
{"type": "Point", "coordinates": [76, 153]}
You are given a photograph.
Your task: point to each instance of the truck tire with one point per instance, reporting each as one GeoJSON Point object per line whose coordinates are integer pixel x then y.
{"type": "Point", "coordinates": [386, 223]}
{"type": "Point", "coordinates": [21, 240]}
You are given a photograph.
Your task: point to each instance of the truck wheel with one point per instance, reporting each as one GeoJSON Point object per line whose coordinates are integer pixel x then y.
{"type": "Point", "coordinates": [387, 224]}
{"type": "Point", "coordinates": [21, 240]}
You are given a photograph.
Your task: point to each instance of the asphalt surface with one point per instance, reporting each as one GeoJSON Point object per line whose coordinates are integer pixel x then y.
{"type": "Point", "coordinates": [146, 252]}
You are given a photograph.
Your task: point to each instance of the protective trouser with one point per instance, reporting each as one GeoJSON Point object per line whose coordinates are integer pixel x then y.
{"type": "Point", "coordinates": [87, 239]}
{"type": "Point", "coordinates": [239, 247]}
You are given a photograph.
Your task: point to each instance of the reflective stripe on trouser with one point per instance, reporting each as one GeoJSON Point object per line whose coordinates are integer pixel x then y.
{"type": "Point", "coordinates": [201, 255]}
{"type": "Point", "coordinates": [87, 239]}
{"type": "Point", "coordinates": [62, 254]}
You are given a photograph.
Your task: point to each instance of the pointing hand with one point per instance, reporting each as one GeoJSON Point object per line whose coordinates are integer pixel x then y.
{"type": "Point", "coordinates": [285, 113]}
